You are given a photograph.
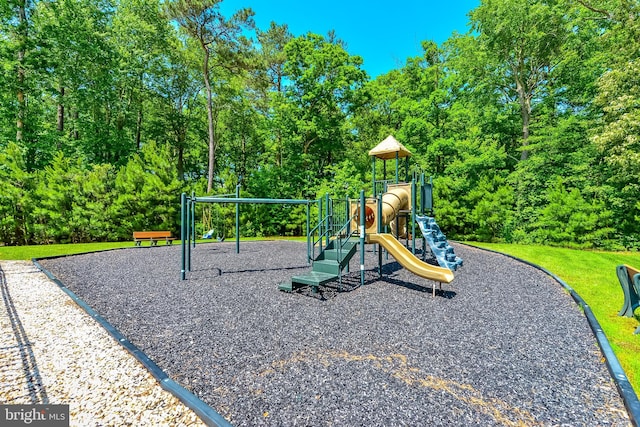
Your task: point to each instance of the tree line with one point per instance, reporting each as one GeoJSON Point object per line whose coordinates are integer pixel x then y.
{"type": "Point", "coordinates": [109, 109]}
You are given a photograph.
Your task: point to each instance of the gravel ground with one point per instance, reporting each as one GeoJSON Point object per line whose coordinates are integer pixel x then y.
{"type": "Point", "coordinates": [502, 345]}
{"type": "Point", "coordinates": [52, 352]}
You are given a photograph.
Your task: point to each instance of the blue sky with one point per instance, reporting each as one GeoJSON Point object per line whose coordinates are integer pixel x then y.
{"type": "Point", "coordinates": [384, 33]}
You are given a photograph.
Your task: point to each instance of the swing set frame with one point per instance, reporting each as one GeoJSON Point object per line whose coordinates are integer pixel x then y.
{"type": "Point", "coordinates": [188, 238]}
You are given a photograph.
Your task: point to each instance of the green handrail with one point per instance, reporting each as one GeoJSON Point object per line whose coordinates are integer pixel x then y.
{"type": "Point", "coordinates": [342, 242]}
{"type": "Point", "coordinates": [311, 242]}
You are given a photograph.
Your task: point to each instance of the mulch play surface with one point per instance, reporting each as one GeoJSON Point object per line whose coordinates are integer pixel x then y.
{"type": "Point", "coordinates": [503, 344]}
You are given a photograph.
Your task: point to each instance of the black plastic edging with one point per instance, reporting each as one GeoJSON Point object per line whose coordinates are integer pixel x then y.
{"type": "Point", "coordinates": [625, 389]}
{"type": "Point", "coordinates": [206, 413]}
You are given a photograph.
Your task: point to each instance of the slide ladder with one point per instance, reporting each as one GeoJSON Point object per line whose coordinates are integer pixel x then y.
{"type": "Point", "coordinates": [440, 248]}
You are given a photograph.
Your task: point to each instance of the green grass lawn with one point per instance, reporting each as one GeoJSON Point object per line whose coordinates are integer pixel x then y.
{"type": "Point", "coordinates": [592, 274]}
{"type": "Point", "coordinates": [42, 251]}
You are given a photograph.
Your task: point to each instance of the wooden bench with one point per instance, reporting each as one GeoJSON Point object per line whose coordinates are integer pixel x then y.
{"type": "Point", "coordinates": [153, 237]}
{"type": "Point", "coordinates": [629, 278]}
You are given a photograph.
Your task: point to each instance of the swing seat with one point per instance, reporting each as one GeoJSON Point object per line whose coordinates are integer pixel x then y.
{"type": "Point", "coordinates": [208, 235]}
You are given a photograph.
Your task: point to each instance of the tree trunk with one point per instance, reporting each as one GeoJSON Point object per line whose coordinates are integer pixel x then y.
{"type": "Point", "coordinates": [139, 127]}
{"type": "Point", "coordinates": [524, 98]}
{"type": "Point", "coordinates": [74, 133]}
{"type": "Point", "coordinates": [21, 103]}
{"type": "Point", "coordinates": [243, 157]}
{"type": "Point", "coordinates": [526, 119]}
{"type": "Point", "coordinates": [181, 162]}
{"type": "Point", "coordinates": [61, 110]}
{"type": "Point", "coordinates": [22, 47]}
{"type": "Point", "coordinates": [212, 139]}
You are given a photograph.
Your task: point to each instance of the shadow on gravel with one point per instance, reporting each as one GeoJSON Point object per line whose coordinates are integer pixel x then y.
{"type": "Point", "coordinates": [351, 282]}
{"type": "Point", "coordinates": [448, 294]}
{"type": "Point", "coordinates": [30, 369]}
{"type": "Point", "coordinates": [259, 270]}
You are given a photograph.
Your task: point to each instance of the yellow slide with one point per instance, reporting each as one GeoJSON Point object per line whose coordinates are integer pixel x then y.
{"type": "Point", "coordinates": [409, 260]}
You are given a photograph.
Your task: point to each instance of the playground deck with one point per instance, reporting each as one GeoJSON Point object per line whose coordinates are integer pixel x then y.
{"type": "Point", "coordinates": [502, 345]}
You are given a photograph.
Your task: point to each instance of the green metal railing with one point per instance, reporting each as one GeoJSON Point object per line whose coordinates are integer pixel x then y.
{"type": "Point", "coordinates": [323, 232]}
{"type": "Point", "coordinates": [334, 226]}
{"type": "Point", "coordinates": [380, 186]}
{"type": "Point", "coordinates": [333, 219]}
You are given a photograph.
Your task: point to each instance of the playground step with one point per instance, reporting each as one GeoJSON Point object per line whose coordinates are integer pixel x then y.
{"type": "Point", "coordinates": [313, 278]}
{"type": "Point", "coordinates": [344, 254]}
{"type": "Point", "coordinates": [334, 255]}
{"type": "Point", "coordinates": [286, 287]}
{"type": "Point", "coordinates": [327, 266]}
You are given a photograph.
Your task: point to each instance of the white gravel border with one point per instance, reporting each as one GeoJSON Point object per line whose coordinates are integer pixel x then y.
{"type": "Point", "coordinates": [76, 361]}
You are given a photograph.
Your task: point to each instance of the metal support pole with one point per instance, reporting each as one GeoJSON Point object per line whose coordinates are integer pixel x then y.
{"type": "Point", "coordinates": [397, 167]}
{"type": "Point", "coordinates": [238, 220]}
{"type": "Point", "coordinates": [190, 231]}
{"type": "Point", "coordinates": [384, 171]}
{"type": "Point", "coordinates": [188, 236]}
{"type": "Point", "coordinates": [327, 217]}
{"type": "Point", "coordinates": [406, 168]}
{"type": "Point", "coordinates": [413, 215]}
{"type": "Point", "coordinates": [347, 218]}
{"type": "Point", "coordinates": [379, 213]}
{"type": "Point", "coordinates": [308, 229]}
{"type": "Point", "coordinates": [422, 209]}
{"type": "Point", "coordinates": [193, 218]}
{"type": "Point", "coordinates": [362, 235]}
{"type": "Point", "coordinates": [373, 174]}
{"type": "Point", "coordinates": [421, 192]}
{"type": "Point", "coordinates": [183, 232]}
{"type": "Point", "coordinates": [320, 222]}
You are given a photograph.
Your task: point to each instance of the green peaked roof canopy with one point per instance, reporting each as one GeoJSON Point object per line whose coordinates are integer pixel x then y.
{"type": "Point", "coordinates": [388, 148]}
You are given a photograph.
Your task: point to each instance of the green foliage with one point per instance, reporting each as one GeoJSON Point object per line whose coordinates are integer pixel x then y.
{"type": "Point", "coordinates": [493, 210]}
{"type": "Point", "coordinates": [522, 40]}
{"type": "Point", "coordinates": [472, 197]}
{"type": "Point", "coordinates": [568, 219]}
{"type": "Point", "coordinates": [70, 203]}
{"type": "Point", "coordinates": [344, 180]}
{"type": "Point", "coordinates": [147, 193]}
{"type": "Point", "coordinates": [529, 123]}
{"type": "Point", "coordinates": [56, 191]}
{"type": "Point", "coordinates": [16, 186]}
{"type": "Point", "coordinates": [618, 139]}
{"type": "Point", "coordinates": [322, 93]}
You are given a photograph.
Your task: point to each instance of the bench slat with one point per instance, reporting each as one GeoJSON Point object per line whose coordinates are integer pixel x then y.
{"type": "Point", "coordinates": [151, 234]}
{"type": "Point", "coordinates": [153, 237]}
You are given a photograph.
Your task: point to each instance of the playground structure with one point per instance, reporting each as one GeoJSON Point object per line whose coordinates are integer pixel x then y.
{"type": "Point", "coordinates": [345, 225]}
